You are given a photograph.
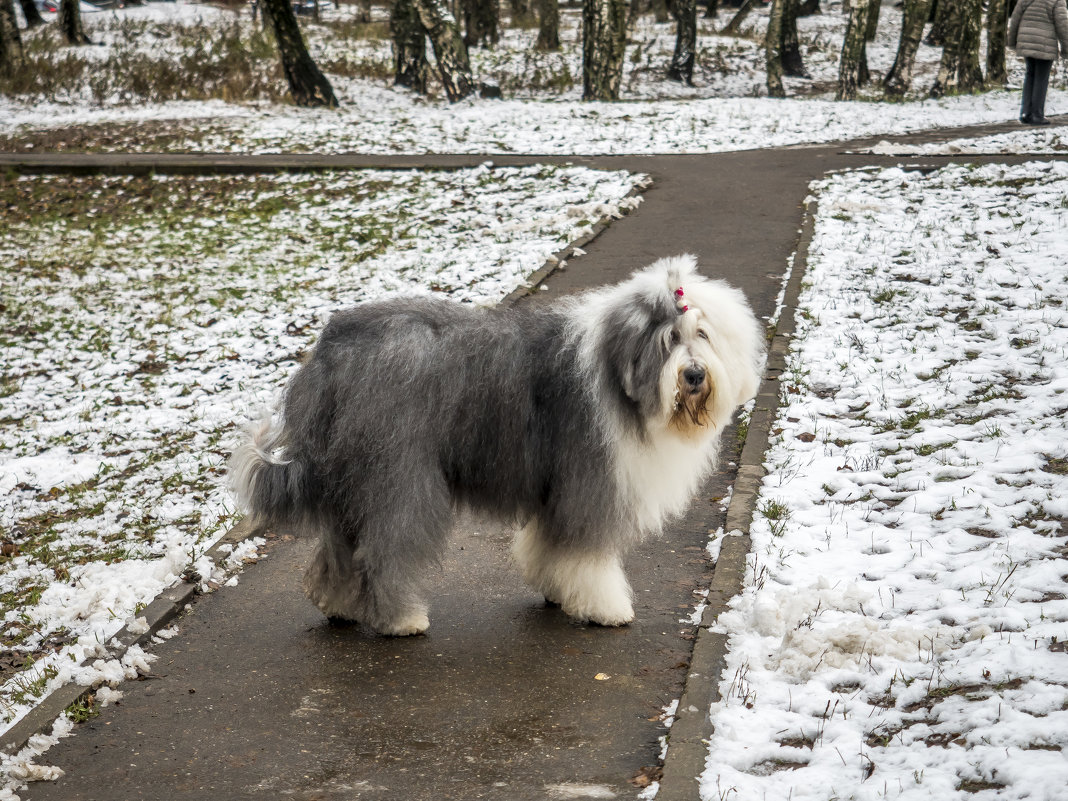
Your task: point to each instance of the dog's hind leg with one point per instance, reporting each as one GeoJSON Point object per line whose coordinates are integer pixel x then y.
{"type": "Point", "coordinates": [587, 584]}
{"type": "Point", "coordinates": [373, 572]}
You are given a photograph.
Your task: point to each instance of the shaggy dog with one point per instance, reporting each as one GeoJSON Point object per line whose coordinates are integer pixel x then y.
{"type": "Point", "coordinates": [593, 420]}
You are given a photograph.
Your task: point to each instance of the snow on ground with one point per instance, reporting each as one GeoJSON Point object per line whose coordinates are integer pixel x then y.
{"type": "Point", "coordinates": [903, 625]}
{"type": "Point", "coordinates": [542, 113]}
{"type": "Point", "coordinates": [148, 317]}
{"type": "Point", "coordinates": [1034, 141]}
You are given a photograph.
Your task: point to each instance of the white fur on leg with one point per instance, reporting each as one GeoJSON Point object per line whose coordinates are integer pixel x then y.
{"type": "Point", "coordinates": [414, 622]}
{"type": "Point", "coordinates": [587, 586]}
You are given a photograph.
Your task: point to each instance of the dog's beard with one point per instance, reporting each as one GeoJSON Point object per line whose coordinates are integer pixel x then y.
{"type": "Point", "coordinates": [690, 411]}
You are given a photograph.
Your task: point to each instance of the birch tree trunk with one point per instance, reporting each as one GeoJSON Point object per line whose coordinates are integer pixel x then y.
{"type": "Point", "coordinates": [940, 13]}
{"type": "Point", "coordinates": [874, 7]}
{"type": "Point", "coordinates": [849, 66]}
{"type": "Point", "coordinates": [792, 63]}
{"type": "Point", "coordinates": [548, 25]}
{"type": "Point", "coordinates": [410, 66]}
{"type": "Point", "coordinates": [914, 17]}
{"type": "Point", "coordinates": [732, 27]}
{"type": "Point", "coordinates": [773, 50]}
{"type": "Point", "coordinates": [70, 22]}
{"type": "Point", "coordinates": [997, 17]}
{"type": "Point", "coordinates": [32, 15]}
{"type": "Point", "coordinates": [681, 68]}
{"type": "Point", "coordinates": [10, 41]}
{"type": "Point", "coordinates": [959, 70]}
{"type": "Point", "coordinates": [449, 51]}
{"type": "Point", "coordinates": [604, 38]}
{"type": "Point", "coordinates": [307, 85]}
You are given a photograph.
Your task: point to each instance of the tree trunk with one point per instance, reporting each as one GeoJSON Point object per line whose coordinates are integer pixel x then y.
{"type": "Point", "coordinates": [522, 13]}
{"type": "Point", "coordinates": [792, 63]}
{"type": "Point", "coordinates": [363, 11]}
{"type": "Point", "coordinates": [449, 51]}
{"type": "Point", "coordinates": [548, 25]}
{"type": "Point", "coordinates": [481, 23]}
{"type": "Point", "coordinates": [808, 8]}
{"type": "Point", "coordinates": [32, 15]}
{"type": "Point", "coordinates": [732, 27]}
{"type": "Point", "coordinates": [70, 22]}
{"type": "Point", "coordinates": [604, 39]}
{"type": "Point", "coordinates": [773, 50]}
{"type": "Point", "coordinates": [410, 67]}
{"type": "Point", "coordinates": [996, 23]}
{"type": "Point", "coordinates": [307, 85]}
{"type": "Point", "coordinates": [681, 68]}
{"type": "Point", "coordinates": [711, 9]}
{"type": "Point", "coordinates": [914, 17]}
{"type": "Point", "coordinates": [864, 74]}
{"type": "Point", "coordinates": [660, 11]}
{"type": "Point", "coordinates": [941, 10]}
{"type": "Point", "coordinates": [959, 70]}
{"type": "Point", "coordinates": [10, 41]}
{"type": "Point", "coordinates": [852, 47]}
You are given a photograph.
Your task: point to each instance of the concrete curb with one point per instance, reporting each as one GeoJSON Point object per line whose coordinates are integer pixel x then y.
{"type": "Point", "coordinates": [688, 738]}
{"type": "Point", "coordinates": [166, 607]}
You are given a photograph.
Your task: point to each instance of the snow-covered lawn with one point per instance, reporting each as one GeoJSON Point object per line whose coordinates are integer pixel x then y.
{"type": "Point", "coordinates": [1032, 141]}
{"type": "Point", "coordinates": [143, 319]}
{"type": "Point", "coordinates": [903, 625]}
{"type": "Point", "coordinates": [541, 112]}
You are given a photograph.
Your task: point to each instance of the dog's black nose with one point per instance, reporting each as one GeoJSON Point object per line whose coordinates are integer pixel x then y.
{"type": "Point", "coordinates": [695, 376]}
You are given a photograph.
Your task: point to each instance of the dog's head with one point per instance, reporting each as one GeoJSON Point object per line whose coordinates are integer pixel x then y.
{"type": "Point", "coordinates": [683, 350]}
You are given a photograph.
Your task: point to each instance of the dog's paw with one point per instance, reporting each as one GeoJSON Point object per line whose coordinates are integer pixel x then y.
{"type": "Point", "coordinates": [408, 626]}
{"type": "Point", "coordinates": [604, 612]}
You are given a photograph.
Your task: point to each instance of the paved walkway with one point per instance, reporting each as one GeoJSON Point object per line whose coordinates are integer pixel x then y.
{"type": "Point", "coordinates": [259, 698]}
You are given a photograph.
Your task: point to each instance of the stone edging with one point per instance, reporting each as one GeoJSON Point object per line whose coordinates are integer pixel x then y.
{"type": "Point", "coordinates": [688, 737]}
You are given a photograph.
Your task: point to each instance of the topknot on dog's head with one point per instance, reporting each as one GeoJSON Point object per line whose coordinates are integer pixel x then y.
{"type": "Point", "coordinates": [664, 281]}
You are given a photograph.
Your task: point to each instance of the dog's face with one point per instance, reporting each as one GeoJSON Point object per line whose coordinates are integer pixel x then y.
{"type": "Point", "coordinates": [684, 350]}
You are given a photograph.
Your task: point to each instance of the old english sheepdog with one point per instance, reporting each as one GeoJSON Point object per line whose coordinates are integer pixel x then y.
{"type": "Point", "coordinates": [589, 422]}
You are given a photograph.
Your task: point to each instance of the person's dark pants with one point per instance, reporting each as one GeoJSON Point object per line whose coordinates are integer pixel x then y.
{"type": "Point", "coordinates": [1034, 89]}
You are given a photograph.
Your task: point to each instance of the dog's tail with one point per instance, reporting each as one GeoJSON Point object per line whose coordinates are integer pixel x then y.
{"type": "Point", "coordinates": [269, 489]}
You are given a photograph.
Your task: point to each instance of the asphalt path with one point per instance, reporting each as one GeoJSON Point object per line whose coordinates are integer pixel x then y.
{"type": "Point", "coordinates": [504, 698]}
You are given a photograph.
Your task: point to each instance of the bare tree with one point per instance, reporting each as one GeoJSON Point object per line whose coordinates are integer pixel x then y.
{"type": "Point", "coordinates": [548, 25]}
{"type": "Point", "coordinates": [30, 12]}
{"type": "Point", "coordinates": [997, 15]}
{"type": "Point", "coordinates": [732, 27]}
{"type": "Point", "coordinates": [522, 12]}
{"type": "Point", "coordinates": [410, 66]}
{"type": "Point", "coordinates": [307, 85]}
{"type": "Point", "coordinates": [773, 50]}
{"type": "Point", "coordinates": [454, 67]}
{"type": "Point", "coordinates": [481, 22]}
{"type": "Point", "coordinates": [914, 17]}
{"type": "Point", "coordinates": [792, 63]}
{"type": "Point", "coordinates": [604, 40]}
{"type": "Point", "coordinates": [681, 68]}
{"type": "Point", "coordinates": [10, 41]}
{"type": "Point", "coordinates": [70, 22]}
{"type": "Point", "coordinates": [874, 7]}
{"type": "Point", "coordinates": [852, 48]}
{"type": "Point", "coordinates": [959, 69]}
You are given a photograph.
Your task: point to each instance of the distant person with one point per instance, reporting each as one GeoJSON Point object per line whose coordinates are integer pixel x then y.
{"type": "Point", "coordinates": [1035, 30]}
